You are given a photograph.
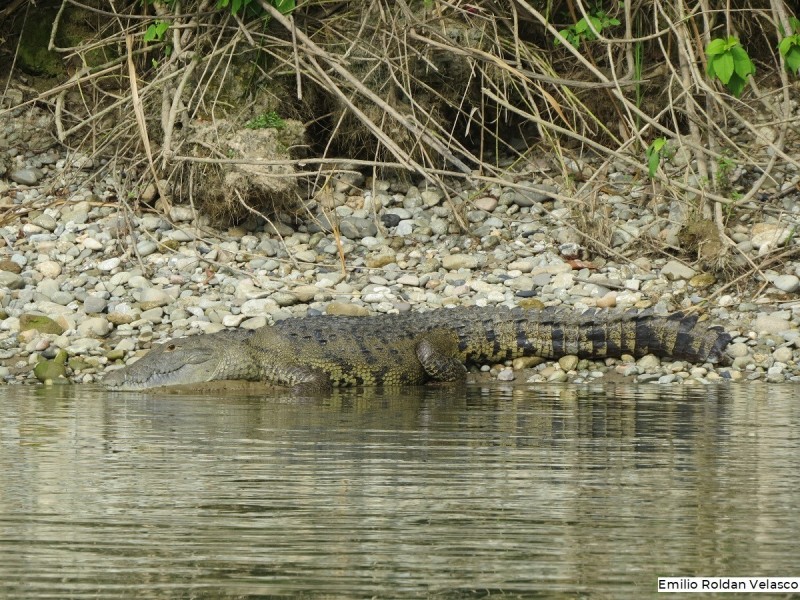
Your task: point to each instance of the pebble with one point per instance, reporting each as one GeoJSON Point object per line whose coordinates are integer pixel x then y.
{"type": "Point", "coordinates": [648, 362]}
{"type": "Point", "coordinates": [404, 228]}
{"type": "Point", "coordinates": [738, 350]}
{"type": "Point", "coordinates": [506, 375]}
{"type": "Point", "coordinates": [771, 324]}
{"type": "Point", "coordinates": [10, 266]}
{"type": "Point", "coordinates": [11, 281]}
{"type": "Point", "coordinates": [673, 270]}
{"type": "Point", "coordinates": [151, 297]}
{"type": "Point", "coordinates": [487, 203]}
{"type": "Point", "coordinates": [94, 327]}
{"type": "Point", "coordinates": [307, 256]}
{"type": "Point", "coordinates": [787, 283]}
{"type": "Point", "coordinates": [783, 354]}
{"type": "Point", "coordinates": [285, 298]}
{"type": "Point", "coordinates": [28, 176]}
{"type": "Point", "coordinates": [453, 262]}
{"type": "Point", "coordinates": [568, 363]}
{"type": "Point", "coordinates": [49, 268]}
{"type": "Point", "coordinates": [431, 198]}
{"type": "Point", "coordinates": [94, 304]}
{"type": "Point", "coordinates": [355, 228]}
{"type": "Point", "coordinates": [348, 309]}
{"type": "Point", "coordinates": [45, 221]}
{"type": "Point", "coordinates": [92, 244]}
{"type": "Point", "coordinates": [146, 248]}
{"type": "Point", "coordinates": [181, 213]}
{"type": "Point", "coordinates": [109, 264]}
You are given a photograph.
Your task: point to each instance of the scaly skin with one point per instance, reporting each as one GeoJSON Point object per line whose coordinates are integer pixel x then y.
{"type": "Point", "coordinates": [313, 354]}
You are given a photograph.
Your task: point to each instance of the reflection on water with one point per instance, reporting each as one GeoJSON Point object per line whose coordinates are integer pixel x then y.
{"type": "Point", "coordinates": [444, 492]}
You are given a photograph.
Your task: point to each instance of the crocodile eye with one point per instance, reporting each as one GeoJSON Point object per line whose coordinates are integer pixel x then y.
{"type": "Point", "coordinates": [170, 348]}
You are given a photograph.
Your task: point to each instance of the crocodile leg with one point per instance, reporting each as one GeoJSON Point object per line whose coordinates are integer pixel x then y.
{"type": "Point", "coordinates": [306, 381]}
{"type": "Point", "coordinates": [435, 353]}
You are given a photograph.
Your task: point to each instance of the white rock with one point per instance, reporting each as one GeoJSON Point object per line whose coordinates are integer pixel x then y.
{"type": "Point", "coordinates": [307, 256]}
{"type": "Point", "coordinates": [453, 262]}
{"type": "Point", "coordinates": [109, 264]}
{"type": "Point", "coordinates": [92, 244]}
{"type": "Point", "coordinates": [787, 283]}
{"type": "Point", "coordinates": [782, 354]}
{"type": "Point", "coordinates": [181, 213]}
{"type": "Point", "coordinates": [11, 281]}
{"type": "Point", "coordinates": [738, 349]}
{"type": "Point", "coordinates": [675, 270]}
{"type": "Point", "coordinates": [248, 290]}
{"type": "Point", "coordinates": [408, 279]}
{"type": "Point", "coordinates": [152, 297]}
{"type": "Point", "coordinates": [522, 265]}
{"type": "Point", "coordinates": [83, 346]}
{"type": "Point", "coordinates": [232, 320]}
{"type": "Point", "coordinates": [137, 281]}
{"type": "Point", "coordinates": [254, 323]}
{"type": "Point", "coordinates": [49, 268]}
{"type": "Point", "coordinates": [404, 228]}
{"type": "Point", "coordinates": [767, 236]}
{"type": "Point", "coordinates": [771, 324]}
{"type": "Point", "coordinates": [94, 327]}
{"type": "Point", "coordinates": [648, 362]}
{"type": "Point", "coordinates": [506, 375]}
{"type": "Point", "coordinates": [258, 307]}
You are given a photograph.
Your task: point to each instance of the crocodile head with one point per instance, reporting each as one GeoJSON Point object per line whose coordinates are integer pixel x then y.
{"type": "Point", "coordinates": [195, 359]}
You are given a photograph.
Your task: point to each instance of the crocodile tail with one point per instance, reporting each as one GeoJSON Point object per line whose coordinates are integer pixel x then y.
{"type": "Point", "coordinates": [682, 336]}
{"type": "Point", "coordinates": [600, 334]}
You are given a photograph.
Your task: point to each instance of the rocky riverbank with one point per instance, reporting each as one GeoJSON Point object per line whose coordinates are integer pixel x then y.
{"type": "Point", "coordinates": [86, 284]}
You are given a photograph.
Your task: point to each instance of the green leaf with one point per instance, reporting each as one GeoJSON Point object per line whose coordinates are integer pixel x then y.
{"type": "Point", "coordinates": [795, 24]}
{"type": "Point", "coordinates": [723, 67]}
{"type": "Point", "coordinates": [793, 59]}
{"type": "Point", "coordinates": [156, 31]}
{"type": "Point", "coordinates": [567, 34]}
{"type": "Point", "coordinates": [287, 6]}
{"type": "Point", "coordinates": [785, 44]}
{"type": "Point", "coordinates": [653, 154]}
{"type": "Point", "coordinates": [736, 85]}
{"type": "Point", "coordinates": [742, 64]}
{"type": "Point", "coordinates": [710, 69]}
{"type": "Point", "coordinates": [715, 47]}
{"type": "Point", "coordinates": [150, 34]}
{"type": "Point", "coordinates": [731, 42]}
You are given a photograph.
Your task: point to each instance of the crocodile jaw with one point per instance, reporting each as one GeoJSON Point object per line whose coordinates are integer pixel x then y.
{"type": "Point", "coordinates": [183, 361]}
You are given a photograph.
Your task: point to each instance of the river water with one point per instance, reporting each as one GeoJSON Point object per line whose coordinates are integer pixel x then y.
{"type": "Point", "coordinates": [526, 491]}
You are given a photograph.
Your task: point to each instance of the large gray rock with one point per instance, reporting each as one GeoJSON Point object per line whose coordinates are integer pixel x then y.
{"type": "Point", "coordinates": [674, 270]}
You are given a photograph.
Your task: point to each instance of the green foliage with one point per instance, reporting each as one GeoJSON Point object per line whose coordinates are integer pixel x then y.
{"type": "Point", "coordinates": [653, 154]}
{"type": "Point", "coordinates": [581, 31]}
{"type": "Point", "coordinates": [269, 120]}
{"type": "Point", "coordinates": [725, 167]}
{"type": "Point", "coordinates": [156, 31]}
{"type": "Point", "coordinates": [283, 6]}
{"type": "Point", "coordinates": [730, 63]}
{"type": "Point", "coordinates": [789, 47]}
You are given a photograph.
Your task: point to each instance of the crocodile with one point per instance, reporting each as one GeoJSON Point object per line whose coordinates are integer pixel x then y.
{"type": "Point", "coordinates": [315, 353]}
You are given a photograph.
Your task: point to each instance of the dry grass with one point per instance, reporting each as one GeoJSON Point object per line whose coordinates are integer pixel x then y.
{"type": "Point", "coordinates": [443, 91]}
